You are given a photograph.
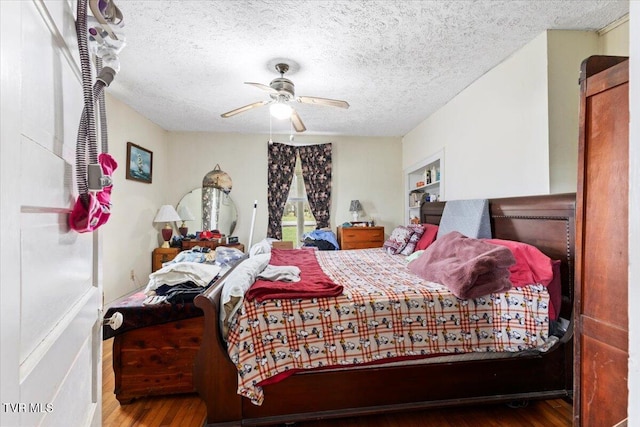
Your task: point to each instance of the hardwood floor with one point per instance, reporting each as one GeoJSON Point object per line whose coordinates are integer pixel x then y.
{"type": "Point", "coordinates": [189, 410]}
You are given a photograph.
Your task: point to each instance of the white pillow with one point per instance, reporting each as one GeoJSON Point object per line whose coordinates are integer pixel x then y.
{"type": "Point", "coordinates": [241, 279]}
{"type": "Point", "coordinates": [262, 247]}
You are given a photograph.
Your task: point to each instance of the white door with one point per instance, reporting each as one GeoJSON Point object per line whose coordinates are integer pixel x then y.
{"type": "Point", "coordinates": [51, 292]}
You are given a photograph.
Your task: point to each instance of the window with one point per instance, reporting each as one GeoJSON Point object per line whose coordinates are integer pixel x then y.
{"type": "Point", "coordinates": [297, 218]}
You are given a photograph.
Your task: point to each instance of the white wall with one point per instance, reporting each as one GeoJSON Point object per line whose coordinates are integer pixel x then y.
{"type": "Point", "coordinates": [614, 39]}
{"type": "Point", "coordinates": [634, 216]}
{"type": "Point", "coordinates": [368, 169]}
{"type": "Point", "coordinates": [565, 52]}
{"type": "Point", "coordinates": [494, 133]}
{"type": "Point", "coordinates": [130, 235]}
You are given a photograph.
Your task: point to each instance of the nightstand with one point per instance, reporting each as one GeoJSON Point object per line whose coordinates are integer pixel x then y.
{"type": "Point", "coordinates": [360, 237]}
{"type": "Point", "coordinates": [161, 255]}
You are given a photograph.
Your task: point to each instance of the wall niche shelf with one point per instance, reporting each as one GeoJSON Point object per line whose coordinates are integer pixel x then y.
{"type": "Point", "coordinates": [423, 182]}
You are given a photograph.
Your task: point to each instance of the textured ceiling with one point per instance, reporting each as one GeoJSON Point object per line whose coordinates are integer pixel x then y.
{"type": "Point", "coordinates": [395, 62]}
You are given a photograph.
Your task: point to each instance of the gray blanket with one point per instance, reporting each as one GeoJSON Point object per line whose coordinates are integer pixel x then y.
{"type": "Point", "coordinates": [469, 217]}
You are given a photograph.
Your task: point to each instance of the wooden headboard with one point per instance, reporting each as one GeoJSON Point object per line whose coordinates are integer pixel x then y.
{"type": "Point", "coordinates": [546, 222]}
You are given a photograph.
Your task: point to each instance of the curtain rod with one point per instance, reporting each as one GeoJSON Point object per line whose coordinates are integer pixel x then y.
{"type": "Point", "coordinates": [297, 144]}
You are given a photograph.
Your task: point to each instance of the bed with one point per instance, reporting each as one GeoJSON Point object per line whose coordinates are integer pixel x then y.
{"type": "Point", "coordinates": [546, 222]}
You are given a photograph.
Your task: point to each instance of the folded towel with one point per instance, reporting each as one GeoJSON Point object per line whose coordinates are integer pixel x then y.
{"type": "Point", "coordinates": [282, 273]}
{"type": "Point", "coordinates": [469, 268]}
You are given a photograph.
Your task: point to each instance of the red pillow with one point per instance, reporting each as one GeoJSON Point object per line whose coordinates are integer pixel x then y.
{"type": "Point", "coordinates": [532, 266]}
{"type": "Point", "coordinates": [428, 237]}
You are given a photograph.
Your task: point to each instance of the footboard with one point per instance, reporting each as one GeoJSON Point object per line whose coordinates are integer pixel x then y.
{"type": "Point", "coordinates": [215, 376]}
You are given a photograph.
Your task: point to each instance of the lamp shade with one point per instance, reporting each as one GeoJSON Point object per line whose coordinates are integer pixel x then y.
{"type": "Point", "coordinates": [166, 213]}
{"type": "Point", "coordinates": [355, 206]}
{"type": "Point", "coordinates": [185, 214]}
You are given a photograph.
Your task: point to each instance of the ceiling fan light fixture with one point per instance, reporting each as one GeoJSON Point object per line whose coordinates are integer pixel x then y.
{"type": "Point", "coordinates": [282, 92]}
{"type": "Point", "coordinates": [280, 111]}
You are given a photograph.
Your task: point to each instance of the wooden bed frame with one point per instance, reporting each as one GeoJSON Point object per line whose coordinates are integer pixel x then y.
{"type": "Point", "coordinates": [546, 222]}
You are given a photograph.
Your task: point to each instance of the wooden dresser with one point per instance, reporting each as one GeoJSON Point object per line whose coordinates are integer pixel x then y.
{"type": "Point", "coordinates": [601, 302]}
{"type": "Point", "coordinates": [360, 237]}
{"type": "Point", "coordinates": [156, 360]}
{"type": "Point", "coordinates": [188, 244]}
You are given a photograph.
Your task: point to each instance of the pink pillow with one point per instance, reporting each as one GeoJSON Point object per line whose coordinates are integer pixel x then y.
{"type": "Point", "coordinates": [532, 266]}
{"type": "Point", "coordinates": [428, 237]}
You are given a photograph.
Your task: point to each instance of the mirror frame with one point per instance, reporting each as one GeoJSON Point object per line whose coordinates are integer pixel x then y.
{"type": "Point", "coordinates": [193, 201]}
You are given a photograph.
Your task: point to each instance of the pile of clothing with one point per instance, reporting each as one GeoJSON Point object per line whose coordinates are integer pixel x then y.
{"type": "Point", "coordinates": [324, 240]}
{"type": "Point", "coordinates": [189, 274]}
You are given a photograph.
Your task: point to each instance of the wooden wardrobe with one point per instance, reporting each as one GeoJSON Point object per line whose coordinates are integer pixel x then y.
{"type": "Point", "coordinates": [601, 315]}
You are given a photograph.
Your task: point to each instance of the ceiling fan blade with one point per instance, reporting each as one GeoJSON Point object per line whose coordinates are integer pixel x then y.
{"type": "Point", "coordinates": [322, 101]}
{"type": "Point", "coordinates": [263, 87]}
{"type": "Point", "coordinates": [243, 109]}
{"type": "Point", "coordinates": [297, 122]}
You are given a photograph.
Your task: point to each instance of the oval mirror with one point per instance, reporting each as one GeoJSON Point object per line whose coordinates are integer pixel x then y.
{"type": "Point", "coordinates": [227, 215]}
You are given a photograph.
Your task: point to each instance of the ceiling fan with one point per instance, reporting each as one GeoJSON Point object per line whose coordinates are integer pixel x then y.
{"type": "Point", "coordinates": [282, 92]}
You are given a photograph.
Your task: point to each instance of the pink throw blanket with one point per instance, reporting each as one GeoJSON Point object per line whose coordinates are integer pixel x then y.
{"type": "Point", "coordinates": [314, 283]}
{"type": "Point", "coordinates": [469, 268]}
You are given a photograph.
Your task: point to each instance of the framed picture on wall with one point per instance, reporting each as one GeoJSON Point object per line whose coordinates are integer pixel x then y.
{"type": "Point", "coordinates": [139, 163]}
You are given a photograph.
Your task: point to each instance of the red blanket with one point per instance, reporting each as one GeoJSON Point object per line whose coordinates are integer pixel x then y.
{"type": "Point", "coordinates": [314, 283]}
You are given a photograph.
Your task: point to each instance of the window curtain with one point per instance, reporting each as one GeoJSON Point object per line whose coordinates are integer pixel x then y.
{"type": "Point", "coordinates": [282, 162]}
{"type": "Point", "coordinates": [316, 170]}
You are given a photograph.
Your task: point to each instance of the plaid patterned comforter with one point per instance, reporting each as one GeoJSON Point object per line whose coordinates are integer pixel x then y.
{"type": "Point", "coordinates": [385, 312]}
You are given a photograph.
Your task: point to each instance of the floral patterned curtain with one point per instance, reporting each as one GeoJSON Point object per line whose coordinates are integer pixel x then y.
{"type": "Point", "coordinates": [316, 170]}
{"type": "Point", "coordinates": [282, 162]}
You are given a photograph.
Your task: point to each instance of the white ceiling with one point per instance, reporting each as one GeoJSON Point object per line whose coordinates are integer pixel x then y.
{"type": "Point", "coordinates": [395, 62]}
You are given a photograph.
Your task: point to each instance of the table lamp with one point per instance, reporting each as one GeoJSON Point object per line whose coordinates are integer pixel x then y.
{"type": "Point", "coordinates": [185, 215]}
{"type": "Point", "coordinates": [355, 209]}
{"type": "Point", "coordinates": [166, 214]}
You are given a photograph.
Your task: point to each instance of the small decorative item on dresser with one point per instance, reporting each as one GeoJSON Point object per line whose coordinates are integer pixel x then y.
{"type": "Point", "coordinates": [167, 214]}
